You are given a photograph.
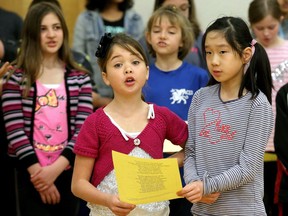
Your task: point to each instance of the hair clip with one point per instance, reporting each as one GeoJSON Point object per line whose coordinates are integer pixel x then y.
{"type": "Point", "coordinates": [104, 45]}
{"type": "Point", "coordinates": [253, 42]}
{"type": "Point", "coordinates": [172, 8]}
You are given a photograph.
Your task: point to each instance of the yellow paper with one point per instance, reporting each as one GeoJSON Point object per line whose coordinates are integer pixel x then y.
{"type": "Point", "coordinates": [143, 180]}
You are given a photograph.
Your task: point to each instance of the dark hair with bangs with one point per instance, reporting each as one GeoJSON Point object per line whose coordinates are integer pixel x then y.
{"type": "Point", "coordinates": [127, 43]}
{"type": "Point", "coordinates": [238, 36]}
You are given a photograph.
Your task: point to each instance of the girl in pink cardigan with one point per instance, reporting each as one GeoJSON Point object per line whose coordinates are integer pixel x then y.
{"type": "Point", "coordinates": [128, 125]}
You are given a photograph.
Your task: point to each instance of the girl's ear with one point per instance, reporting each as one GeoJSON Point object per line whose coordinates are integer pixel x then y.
{"type": "Point", "coordinates": [104, 77]}
{"type": "Point", "coordinates": [247, 55]}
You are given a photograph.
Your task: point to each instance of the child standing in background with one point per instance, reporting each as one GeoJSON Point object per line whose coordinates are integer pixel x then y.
{"type": "Point", "coordinates": [128, 125]}
{"type": "Point", "coordinates": [7, 165]}
{"type": "Point", "coordinates": [169, 38]}
{"type": "Point", "coordinates": [188, 9]}
{"type": "Point", "coordinates": [109, 16]}
{"type": "Point", "coordinates": [281, 149]}
{"type": "Point", "coordinates": [46, 99]}
{"type": "Point", "coordinates": [265, 18]}
{"type": "Point", "coordinates": [229, 124]}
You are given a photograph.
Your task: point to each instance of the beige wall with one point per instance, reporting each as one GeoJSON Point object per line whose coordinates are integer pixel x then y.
{"type": "Point", "coordinates": [71, 9]}
{"type": "Point", "coordinates": [206, 10]}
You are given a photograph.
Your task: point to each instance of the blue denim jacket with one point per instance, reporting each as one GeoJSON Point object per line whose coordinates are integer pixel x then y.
{"type": "Point", "coordinates": [88, 30]}
{"type": "Point", "coordinates": [283, 30]}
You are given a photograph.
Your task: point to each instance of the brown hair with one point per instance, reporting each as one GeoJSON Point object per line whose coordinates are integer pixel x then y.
{"type": "Point", "coordinates": [56, 2]}
{"type": "Point", "coordinates": [30, 57]}
{"type": "Point", "coordinates": [259, 9]}
{"type": "Point", "coordinates": [192, 15]}
{"type": "Point", "coordinates": [175, 18]}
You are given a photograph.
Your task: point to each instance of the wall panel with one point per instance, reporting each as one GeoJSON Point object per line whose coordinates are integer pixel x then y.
{"type": "Point", "coordinates": [71, 9]}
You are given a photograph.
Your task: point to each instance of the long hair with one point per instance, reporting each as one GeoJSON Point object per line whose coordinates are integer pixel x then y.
{"type": "Point", "coordinates": [175, 18]}
{"type": "Point", "coordinates": [237, 34]}
{"type": "Point", "coordinates": [30, 57]}
{"type": "Point", "coordinates": [192, 16]}
{"type": "Point", "coordinates": [101, 4]}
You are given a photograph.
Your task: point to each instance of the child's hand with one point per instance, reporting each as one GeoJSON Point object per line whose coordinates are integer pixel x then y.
{"type": "Point", "coordinates": [192, 192]}
{"type": "Point", "coordinates": [44, 178]}
{"type": "Point", "coordinates": [119, 208]}
{"type": "Point", "coordinates": [4, 68]}
{"type": "Point", "coordinates": [50, 196]}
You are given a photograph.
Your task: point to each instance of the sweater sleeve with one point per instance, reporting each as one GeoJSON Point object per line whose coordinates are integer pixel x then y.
{"type": "Point", "coordinates": [12, 104]}
{"type": "Point", "coordinates": [87, 143]}
{"type": "Point", "coordinates": [177, 129]}
{"type": "Point", "coordinates": [81, 107]}
{"type": "Point", "coordinates": [190, 172]}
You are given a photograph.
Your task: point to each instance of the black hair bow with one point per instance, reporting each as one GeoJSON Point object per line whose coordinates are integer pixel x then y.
{"type": "Point", "coordinates": [104, 45]}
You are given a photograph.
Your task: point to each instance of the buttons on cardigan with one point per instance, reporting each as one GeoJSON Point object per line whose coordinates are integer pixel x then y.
{"type": "Point", "coordinates": [137, 142]}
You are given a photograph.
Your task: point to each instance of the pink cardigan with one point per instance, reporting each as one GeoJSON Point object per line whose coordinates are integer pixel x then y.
{"type": "Point", "coordinates": [99, 136]}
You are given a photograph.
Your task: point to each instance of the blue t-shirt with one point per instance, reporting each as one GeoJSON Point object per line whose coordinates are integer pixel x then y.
{"type": "Point", "coordinates": [175, 89]}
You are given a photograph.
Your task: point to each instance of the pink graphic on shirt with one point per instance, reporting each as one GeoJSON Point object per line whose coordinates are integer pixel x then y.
{"type": "Point", "coordinates": [49, 99]}
{"type": "Point", "coordinates": [213, 129]}
{"type": "Point", "coordinates": [50, 123]}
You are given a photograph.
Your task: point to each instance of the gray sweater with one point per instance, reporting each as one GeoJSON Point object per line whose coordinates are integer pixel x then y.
{"type": "Point", "coordinates": [225, 150]}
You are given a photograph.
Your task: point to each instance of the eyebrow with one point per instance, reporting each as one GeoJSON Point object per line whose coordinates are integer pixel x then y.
{"type": "Point", "coordinates": [114, 57]}
{"type": "Point", "coordinates": [170, 26]}
{"type": "Point", "coordinates": [119, 56]}
{"type": "Point", "coordinates": [218, 46]}
{"type": "Point", "coordinates": [54, 24]}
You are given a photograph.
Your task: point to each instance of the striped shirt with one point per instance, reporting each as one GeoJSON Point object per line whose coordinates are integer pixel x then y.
{"type": "Point", "coordinates": [225, 150]}
{"type": "Point", "coordinates": [19, 113]}
{"type": "Point", "coordinates": [277, 54]}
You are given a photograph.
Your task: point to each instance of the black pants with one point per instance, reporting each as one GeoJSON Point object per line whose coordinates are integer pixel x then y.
{"type": "Point", "coordinates": [32, 205]}
{"type": "Point", "coordinates": [270, 171]}
{"type": "Point", "coordinates": [8, 202]}
{"type": "Point", "coordinates": [180, 207]}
